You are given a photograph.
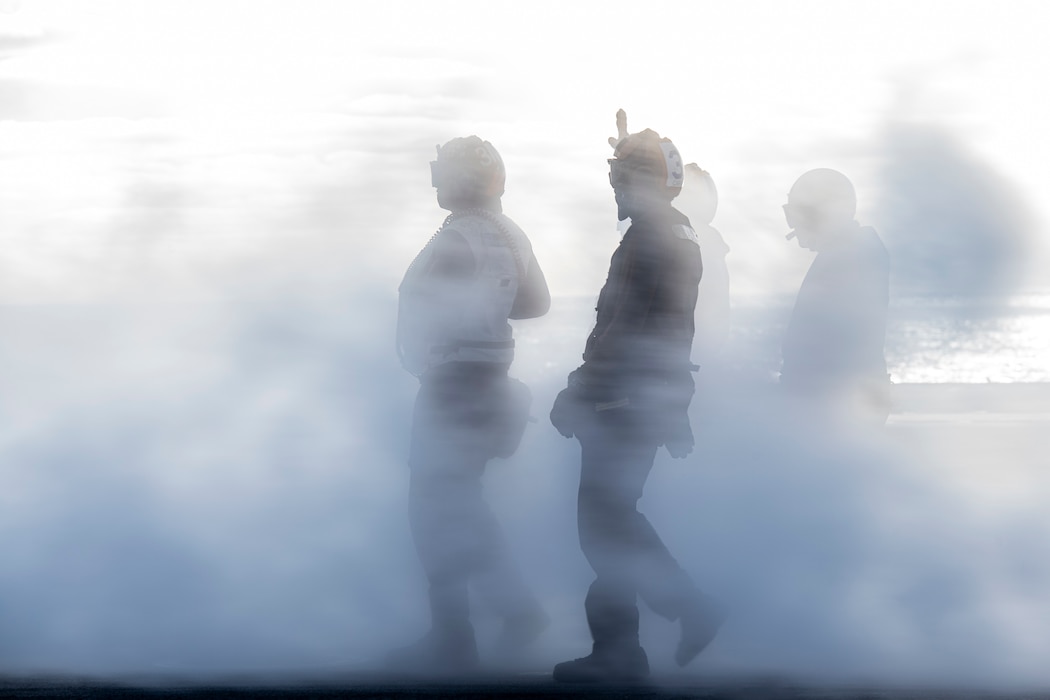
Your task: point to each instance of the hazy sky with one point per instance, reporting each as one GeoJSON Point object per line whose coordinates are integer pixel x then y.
{"type": "Point", "coordinates": [202, 149]}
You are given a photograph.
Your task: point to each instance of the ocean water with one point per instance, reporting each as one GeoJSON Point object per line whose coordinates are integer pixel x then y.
{"type": "Point", "coordinates": [927, 340]}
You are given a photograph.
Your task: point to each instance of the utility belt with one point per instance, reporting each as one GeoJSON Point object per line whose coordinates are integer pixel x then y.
{"type": "Point", "coordinates": [652, 404]}
{"type": "Point", "coordinates": [481, 397]}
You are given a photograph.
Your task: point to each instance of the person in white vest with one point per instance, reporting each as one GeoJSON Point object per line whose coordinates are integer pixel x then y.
{"type": "Point", "coordinates": [476, 273]}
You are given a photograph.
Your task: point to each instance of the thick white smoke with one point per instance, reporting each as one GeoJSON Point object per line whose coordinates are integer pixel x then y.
{"type": "Point", "coordinates": [203, 425]}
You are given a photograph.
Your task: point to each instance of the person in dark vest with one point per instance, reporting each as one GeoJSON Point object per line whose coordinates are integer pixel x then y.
{"type": "Point", "coordinates": [630, 396]}
{"type": "Point", "coordinates": [833, 350]}
{"type": "Point", "coordinates": [476, 273]}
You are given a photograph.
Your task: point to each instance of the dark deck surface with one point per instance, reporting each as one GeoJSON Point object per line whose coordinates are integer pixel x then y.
{"type": "Point", "coordinates": [527, 686]}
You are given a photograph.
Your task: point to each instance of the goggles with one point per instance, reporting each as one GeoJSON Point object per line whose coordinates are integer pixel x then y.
{"type": "Point", "coordinates": [800, 215]}
{"type": "Point", "coordinates": [437, 172]}
{"type": "Point", "coordinates": [621, 174]}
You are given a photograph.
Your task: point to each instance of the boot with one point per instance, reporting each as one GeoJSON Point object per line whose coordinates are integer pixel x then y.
{"type": "Point", "coordinates": [605, 665]}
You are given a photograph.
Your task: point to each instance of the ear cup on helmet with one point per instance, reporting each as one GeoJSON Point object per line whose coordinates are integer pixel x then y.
{"type": "Point", "coordinates": [647, 151]}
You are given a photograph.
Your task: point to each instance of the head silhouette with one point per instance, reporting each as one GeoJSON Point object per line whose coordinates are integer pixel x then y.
{"type": "Point", "coordinates": [820, 203]}
{"type": "Point", "coordinates": [468, 172]}
{"type": "Point", "coordinates": [645, 171]}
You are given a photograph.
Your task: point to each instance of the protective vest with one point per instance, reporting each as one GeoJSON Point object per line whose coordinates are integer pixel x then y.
{"type": "Point", "coordinates": [645, 312]}
{"type": "Point", "coordinates": [463, 318]}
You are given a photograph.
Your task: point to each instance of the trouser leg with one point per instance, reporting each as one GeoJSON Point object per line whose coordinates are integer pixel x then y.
{"type": "Point", "coordinates": [612, 614]}
{"type": "Point", "coordinates": [456, 533]}
{"type": "Point", "coordinates": [450, 542]}
{"type": "Point", "coordinates": [620, 543]}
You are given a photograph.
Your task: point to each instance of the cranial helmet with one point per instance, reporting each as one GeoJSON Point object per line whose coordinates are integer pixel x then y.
{"type": "Point", "coordinates": [702, 194]}
{"type": "Point", "coordinates": [821, 197]}
{"type": "Point", "coordinates": [647, 152]}
{"type": "Point", "coordinates": [468, 168]}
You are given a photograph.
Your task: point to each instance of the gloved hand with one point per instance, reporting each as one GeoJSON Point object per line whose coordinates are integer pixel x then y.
{"type": "Point", "coordinates": [679, 441]}
{"type": "Point", "coordinates": [565, 412]}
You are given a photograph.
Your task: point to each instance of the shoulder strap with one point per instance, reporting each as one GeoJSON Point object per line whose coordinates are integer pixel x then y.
{"type": "Point", "coordinates": [495, 220]}
{"type": "Point", "coordinates": [686, 233]}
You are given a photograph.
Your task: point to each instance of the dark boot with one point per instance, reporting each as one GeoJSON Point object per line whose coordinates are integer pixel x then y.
{"type": "Point", "coordinates": [617, 657]}
{"type": "Point", "coordinates": [605, 665]}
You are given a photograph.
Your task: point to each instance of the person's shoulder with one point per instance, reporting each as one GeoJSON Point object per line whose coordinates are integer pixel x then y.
{"type": "Point", "coordinates": [678, 226]}
{"type": "Point", "coordinates": [872, 236]}
{"type": "Point", "coordinates": [511, 225]}
{"type": "Point", "coordinates": [682, 239]}
{"type": "Point", "coordinates": [667, 225]}
{"type": "Point", "coordinates": [684, 232]}
{"type": "Point", "coordinates": [856, 240]}
{"type": "Point", "coordinates": [711, 241]}
{"type": "Point", "coordinates": [872, 243]}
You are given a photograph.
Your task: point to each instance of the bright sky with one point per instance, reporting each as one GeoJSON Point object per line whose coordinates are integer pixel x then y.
{"type": "Point", "coordinates": [161, 149]}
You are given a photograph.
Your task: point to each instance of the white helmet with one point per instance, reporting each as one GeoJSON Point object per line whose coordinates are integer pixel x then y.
{"type": "Point", "coordinates": [646, 151]}
{"type": "Point", "coordinates": [469, 168]}
{"type": "Point", "coordinates": [820, 199]}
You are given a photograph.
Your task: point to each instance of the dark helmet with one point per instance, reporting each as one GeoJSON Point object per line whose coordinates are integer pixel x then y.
{"type": "Point", "coordinates": [647, 152]}
{"type": "Point", "coordinates": [821, 197]}
{"type": "Point", "coordinates": [468, 168]}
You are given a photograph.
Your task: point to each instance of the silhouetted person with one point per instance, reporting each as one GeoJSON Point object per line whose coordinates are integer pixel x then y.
{"type": "Point", "coordinates": [699, 201]}
{"type": "Point", "coordinates": [630, 396]}
{"type": "Point", "coordinates": [477, 272]}
{"type": "Point", "coordinates": [833, 348]}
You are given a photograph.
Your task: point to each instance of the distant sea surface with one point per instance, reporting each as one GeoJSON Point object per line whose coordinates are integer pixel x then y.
{"type": "Point", "coordinates": [927, 340]}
